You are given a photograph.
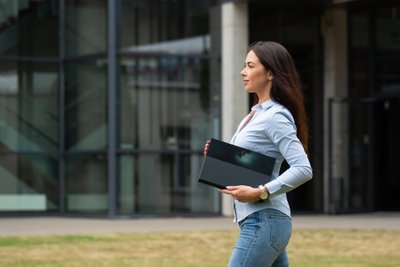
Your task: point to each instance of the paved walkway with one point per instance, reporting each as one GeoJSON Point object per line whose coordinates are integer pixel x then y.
{"type": "Point", "coordinates": [65, 225]}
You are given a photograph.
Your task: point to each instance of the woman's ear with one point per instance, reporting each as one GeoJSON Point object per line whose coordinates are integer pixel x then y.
{"type": "Point", "coordinates": [269, 75]}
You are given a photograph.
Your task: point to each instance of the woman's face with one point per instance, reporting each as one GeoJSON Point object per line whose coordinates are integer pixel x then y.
{"type": "Point", "coordinates": [255, 78]}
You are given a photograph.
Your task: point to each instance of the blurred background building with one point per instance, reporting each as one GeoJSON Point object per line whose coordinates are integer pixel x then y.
{"type": "Point", "coordinates": [105, 106]}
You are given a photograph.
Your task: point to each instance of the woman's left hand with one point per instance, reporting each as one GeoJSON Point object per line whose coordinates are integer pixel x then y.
{"type": "Point", "coordinates": [242, 193]}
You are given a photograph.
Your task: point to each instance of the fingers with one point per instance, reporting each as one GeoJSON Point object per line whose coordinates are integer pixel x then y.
{"type": "Point", "coordinates": [241, 193]}
{"type": "Point", "coordinates": [225, 191]}
{"type": "Point", "coordinates": [230, 190]}
{"type": "Point", "coordinates": [206, 147]}
{"type": "Point", "coordinates": [233, 187]}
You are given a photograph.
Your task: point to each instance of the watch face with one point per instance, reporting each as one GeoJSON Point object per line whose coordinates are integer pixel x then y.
{"type": "Point", "coordinates": [263, 195]}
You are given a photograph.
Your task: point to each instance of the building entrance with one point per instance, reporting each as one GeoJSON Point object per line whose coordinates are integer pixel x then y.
{"type": "Point", "coordinates": [363, 144]}
{"type": "Point", "coordinates": [386, 154]}
{"type": "Point", "coordinates": [374, 53]}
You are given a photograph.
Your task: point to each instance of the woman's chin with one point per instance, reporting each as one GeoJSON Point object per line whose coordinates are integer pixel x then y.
{"type": "Point", "coordinates": [248, 90]}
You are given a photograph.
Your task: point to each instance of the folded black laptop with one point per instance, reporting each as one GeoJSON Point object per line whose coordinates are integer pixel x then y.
{"type": "Point", "coordinates": [226, 164]}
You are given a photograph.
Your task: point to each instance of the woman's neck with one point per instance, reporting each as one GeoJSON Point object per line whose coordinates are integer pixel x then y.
{"type": "Point", "coordinates": [263, 99]}
{"type": "Point", "coordinates": [264, 95]}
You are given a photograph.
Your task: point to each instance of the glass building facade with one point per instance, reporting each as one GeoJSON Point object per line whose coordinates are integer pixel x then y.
{"type": "Point", "coordinates": [105, 106]}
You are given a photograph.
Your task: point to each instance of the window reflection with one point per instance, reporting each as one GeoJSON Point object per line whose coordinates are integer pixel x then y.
{"type": "Point", "coordinates": [154, 21]}
{"type": "Point", "coordinates": [86, 184]}
{"type": "Point", "coordinates": [172, 180]}
{"type": "Point", "coordinates": [85, 107]}
{"type": "Point", "coordinates": [29, 107]}
{"type": "Point", "coordinates": [169, 104]}
{"type": "Point", "coordinates": [85, 27]}
{"type": "Point", "coordinates": [28, 183]}
{"type": "Point", "coordinates": [29, 28]}
{"type": "Point", "coordinates": [165, 97]}
{"type": "Point", "coordinates": [163, 102]}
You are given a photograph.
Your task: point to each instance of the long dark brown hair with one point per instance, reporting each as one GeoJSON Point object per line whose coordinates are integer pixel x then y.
{"type": "Point", "coordinates": [286, 86]}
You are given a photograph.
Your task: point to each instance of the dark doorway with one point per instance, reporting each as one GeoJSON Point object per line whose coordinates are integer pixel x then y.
{"type": "Point", "coordinates": [386, 150]}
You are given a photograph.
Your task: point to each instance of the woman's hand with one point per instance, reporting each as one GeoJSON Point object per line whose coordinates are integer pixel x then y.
{"type": "Point", "coordinates": [242, 193]}
{"type": "Point", "coordinates": [206, 147]}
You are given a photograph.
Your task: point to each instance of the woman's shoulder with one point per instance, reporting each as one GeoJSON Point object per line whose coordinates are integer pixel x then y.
{"type": "Point", "coordinates": [277, 112]}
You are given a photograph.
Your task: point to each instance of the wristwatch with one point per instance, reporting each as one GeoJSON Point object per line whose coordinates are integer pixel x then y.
{"type": "Point", "coordinates": [264, 194]}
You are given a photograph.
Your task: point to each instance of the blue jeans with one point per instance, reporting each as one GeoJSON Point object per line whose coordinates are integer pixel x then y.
{"type": "Point", "coordinates": [263, 238]}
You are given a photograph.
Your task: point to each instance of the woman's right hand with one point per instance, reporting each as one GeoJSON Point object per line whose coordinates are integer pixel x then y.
{"type": "Point", "coordinates": [206, 147]}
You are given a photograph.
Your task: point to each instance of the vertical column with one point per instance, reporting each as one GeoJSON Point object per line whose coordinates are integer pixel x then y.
{"type": "Point", "coordinates": [234, 48]}
{"type": "Point", "coordinates": [334, 30]}
{"type": "Point", "coordinates": [112, 106]}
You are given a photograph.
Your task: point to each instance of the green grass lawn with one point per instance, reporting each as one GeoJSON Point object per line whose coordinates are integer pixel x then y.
{"type": "Point", "coordinates": [308, 248]}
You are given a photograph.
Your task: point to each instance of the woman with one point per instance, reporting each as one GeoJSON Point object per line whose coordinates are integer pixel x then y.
{"type": "Point", "coordinates": [277, 127]}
